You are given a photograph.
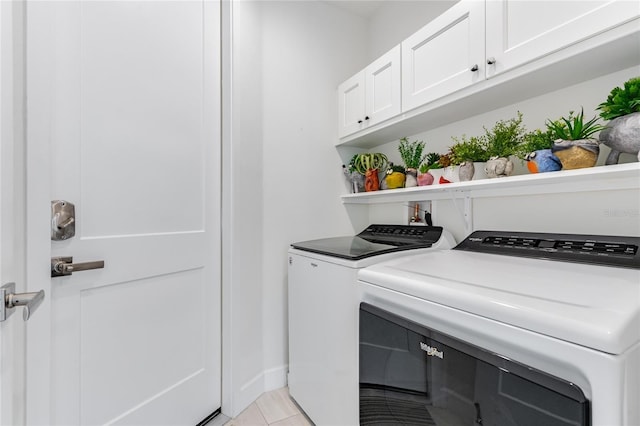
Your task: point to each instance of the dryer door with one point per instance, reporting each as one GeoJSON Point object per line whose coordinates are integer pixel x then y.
{"type": "Point", "coordinates": [410, 374]}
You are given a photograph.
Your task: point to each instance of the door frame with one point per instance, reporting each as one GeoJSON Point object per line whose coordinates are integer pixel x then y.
{"type": "Point", "coordinates": [12, 206]}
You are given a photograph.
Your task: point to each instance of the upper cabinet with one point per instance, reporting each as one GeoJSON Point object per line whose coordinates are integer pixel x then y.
{"type": "Point", "coordinates": [371, 96]}
{"type": "Point", "coordinates": [444, 56]}
{"type": "Point", "coordinates": [482, 55]}
{"type": "Point", "coordinates": [520, 31]}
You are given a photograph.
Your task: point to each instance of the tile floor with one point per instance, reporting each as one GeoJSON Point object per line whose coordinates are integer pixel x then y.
{"type": "Point", "coordinates": [273, 408]}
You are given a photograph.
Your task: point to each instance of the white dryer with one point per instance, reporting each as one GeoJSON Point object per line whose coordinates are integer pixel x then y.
{"type": "Point", "coordinates": [505, 329]}
{"type": "Point", "coordinates": [323, 313]}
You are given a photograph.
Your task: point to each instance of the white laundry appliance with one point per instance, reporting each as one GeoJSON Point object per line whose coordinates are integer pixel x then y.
{"type": "Point", "coordinates": [506, 329]}
{"type": "Point", "coordinates": [323, 313]}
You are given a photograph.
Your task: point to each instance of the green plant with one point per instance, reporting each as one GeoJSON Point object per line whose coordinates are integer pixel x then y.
{"type": "Point", "coordinates": [444, 160]}
{"type": "Point", "coordinates": [369, 161]}
{"type": "Point", "coordinates": [573, 127]}
{"type": "Point", "coordinates": [471, 149]}
{"type": "Point", "coordinates": [622, 101]}
{"type": "Point", "coordinates": [505, 137]}
{"type": "Point", "coordinates": [430, 162]}
{"type": "Point", "coordinates": [534, 141]}
{"type": "Point", "coordinates": [411, 153]}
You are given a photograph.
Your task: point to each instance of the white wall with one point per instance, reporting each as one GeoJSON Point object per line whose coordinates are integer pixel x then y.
{"type": "Point", "coordinates": [396, 20]}
{"type": "Point", "coordinates": [289, 58]}
{"type": "Point", "coordinates": [242, 287]}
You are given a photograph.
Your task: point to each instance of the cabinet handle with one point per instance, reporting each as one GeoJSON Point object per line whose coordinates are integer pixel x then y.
{"type": "Point", "coordinates": [491, 60]}
{"type": "Point", "coordinates": [359, 121]}
{"type": "Point", "coordinates": [474, 68]}
{"type": "Point", "coordinates": [367, 117]}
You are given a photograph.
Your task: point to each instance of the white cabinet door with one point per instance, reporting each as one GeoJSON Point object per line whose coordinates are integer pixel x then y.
{"type": "Point", "coordinates": [444, 56]}
{"type": "Point", "coordinates": [382, 87]}
{"type": "Point", "coordinates": [520, 31]}
{"type": "Point", "coordinates": [372, 95]}
{"type": "Point", "coordinates": [351, 108]}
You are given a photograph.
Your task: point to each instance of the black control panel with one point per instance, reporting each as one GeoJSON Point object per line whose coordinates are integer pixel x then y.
{"type": "Point", "coordinates": [594, 249]}
{"type": "Point", "coordinates": [402, 234]}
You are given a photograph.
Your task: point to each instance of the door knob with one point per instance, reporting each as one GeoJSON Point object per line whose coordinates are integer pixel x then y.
{"type": "Point", "coordinates": [11, 299]}
{"type": "Point", "coordinates": [491, 60]}
{"type": "Point", "coordinates": [62, 266]}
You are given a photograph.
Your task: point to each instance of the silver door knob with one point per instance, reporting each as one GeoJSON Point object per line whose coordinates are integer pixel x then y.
{"type": "Point", "coordinates": [11, 299]}
{"type": "Point", "coordinates": [491, 60]}
{"type": "Point", "coordinates": [62, 266]}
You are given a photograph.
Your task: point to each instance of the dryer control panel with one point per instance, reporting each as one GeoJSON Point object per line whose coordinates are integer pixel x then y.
{"type": "Point", "coordinates": [594, 249]}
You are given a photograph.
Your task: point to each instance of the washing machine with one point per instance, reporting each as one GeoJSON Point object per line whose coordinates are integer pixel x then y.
{"type": "Point", "coordinates": [505, 329]}
{"type": "Point", "coordinates": [323, 313]}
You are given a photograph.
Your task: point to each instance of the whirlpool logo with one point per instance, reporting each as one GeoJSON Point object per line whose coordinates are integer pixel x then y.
{"type": "Point", "coordinates": [431, 351]}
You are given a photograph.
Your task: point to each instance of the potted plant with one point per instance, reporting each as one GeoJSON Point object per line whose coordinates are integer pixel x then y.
{"type": "Point", "coordinates": [369, 165]}
{"type": "Point", "coordinates": [536, 151]}
{"type": "Point", "coordinates": [503, 140]}
{"type": "Point", "coordinates": [411, 154]}
{"type": "Point", "coordinates": [425, 177]}
{"type": "Point", "coordinates": [469, 154]}
{"type": "Point", "coordinates": [395, 177]}
{"type": "Point", "coordinates": [573, 143]}
{"type": "Point", "coordinates": [622, 109]}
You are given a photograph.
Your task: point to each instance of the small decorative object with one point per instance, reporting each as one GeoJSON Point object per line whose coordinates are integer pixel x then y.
{"type": "Point", "coordinates": [411, 154]}
{"type": "Point", "coordinates": [466, 171]}
{"type": "Point", "coordinates": [425, 177]}
{"type": "Point", "coordinates": [536, 151]}
{"type": "Point", "coordinates": [443, 180]}
{"type": "Point", "coordinates": [543, 160]}
{"type": "Point", "coordinates": [451, 173]}
{"type": "Point", "coordinates": [573, 144]}
{"type": "Point", "coordinates": [411, 178]}
{"type": "Point", "coordinates": [498, 167]}
{"type": "Point", "coordinates": [469, 151]}
{"type": "Point", "coordinates": [355, 179]}
{"type": "Point", "coordinates": [503, 140]}
{"type": "Point", "coordinates": [395, 177]}
{"type": "Point", "coordinates": [369, 164]}
{"type": "Point", "coordinates": [622, 133]}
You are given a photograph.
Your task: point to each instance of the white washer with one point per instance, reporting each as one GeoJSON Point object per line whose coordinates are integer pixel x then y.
{"type": "Point", "coordinates": [575, 319]}
{"type": "Point", "coordinates": [323, 313]}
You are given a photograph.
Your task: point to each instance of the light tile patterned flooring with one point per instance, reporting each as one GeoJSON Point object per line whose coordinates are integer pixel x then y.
{"type": "Point", "coordinates": [273, 408]}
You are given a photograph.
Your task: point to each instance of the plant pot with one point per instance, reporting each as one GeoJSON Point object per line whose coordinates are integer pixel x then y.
{"type": "Point", "coordinates": [622, 134]}
{"type": "Point", "coordinates": [411, 178]}
{"type": "Point", "coordinates": [542, 161]}
{"type": "Point", "coordinates": [451, 173]}
{"type": "Point", "coordinates": [466, 171]}
{"type": "Point", "coordinates": [479, 172]}
{"type": "Point", "coordinates": [371, 181]}
{"type": "Point", "coordinates": [498, 167]}
{"type": "Point", "coordinates": [437, 174]}
{"type": "Point", "coordinates": [395, 180]}
{"type": "Point", "coordinates": [425, 179]}
{"type": "Point", "coordinates": [356, 181]}
{"type": "Point", "coordinates": [576, 154]}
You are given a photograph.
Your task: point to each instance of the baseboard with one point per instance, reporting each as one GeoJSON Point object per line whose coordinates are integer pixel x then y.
{"type": "Point", "coordinates": [268, 380]}
{"type": "Point", "coordinates": [275, 378]}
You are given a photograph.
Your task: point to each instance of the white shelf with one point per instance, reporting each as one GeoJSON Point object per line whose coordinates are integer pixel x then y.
{"type": "Point", "coordinates": [602, 178]}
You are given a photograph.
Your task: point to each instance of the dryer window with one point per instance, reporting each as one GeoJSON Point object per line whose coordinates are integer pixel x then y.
{"type": "Point", "coordinates": [410, 374]}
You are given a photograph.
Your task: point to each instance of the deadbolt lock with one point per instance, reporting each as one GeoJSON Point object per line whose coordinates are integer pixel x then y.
{"type": "Point", "coordinates": [63, 220]}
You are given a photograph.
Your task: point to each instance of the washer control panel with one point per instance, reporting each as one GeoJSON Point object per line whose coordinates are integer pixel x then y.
{"type": "Point", "coordinates": [595, 249]}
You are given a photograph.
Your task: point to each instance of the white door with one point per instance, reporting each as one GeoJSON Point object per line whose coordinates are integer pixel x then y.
{"type": "Point", "coordinates": [124, 122]}
{"type": "Point", "coordinates": [521, 31]}
{"type": "Point", "coordinates": [444, 56]}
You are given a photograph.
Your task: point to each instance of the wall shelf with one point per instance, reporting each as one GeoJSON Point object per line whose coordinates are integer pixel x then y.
{"type": "Point", "coordinates": [602, 178]}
